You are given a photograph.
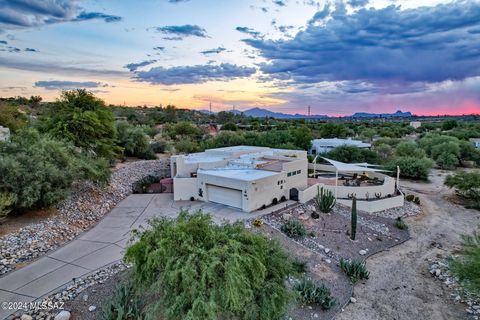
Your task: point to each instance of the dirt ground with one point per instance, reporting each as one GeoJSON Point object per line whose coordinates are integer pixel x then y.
{"type": "Point", "coordinates": [400, 286]}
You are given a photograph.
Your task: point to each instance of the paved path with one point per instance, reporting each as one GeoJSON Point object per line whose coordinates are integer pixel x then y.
{"type": "Point", "coordinates": [102, 245]}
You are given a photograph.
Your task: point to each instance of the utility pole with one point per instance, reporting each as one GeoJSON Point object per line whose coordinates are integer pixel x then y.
{"type": "Point", "coordinates": [210, 107]}
{"type": "Point", "coordinates": [309, 110]}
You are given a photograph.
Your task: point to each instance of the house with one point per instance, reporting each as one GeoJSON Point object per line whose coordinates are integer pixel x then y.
{"type": "Point", "coordinates": [326, 145]}
{"type": "Point", "coordinates": [476, 142]}
{"type": "Point", "coordinates": [4, 133]}
{"type": "Point", "coordinates": [415, 124]}
{"type": "Point", "coordinates": [244, 177]}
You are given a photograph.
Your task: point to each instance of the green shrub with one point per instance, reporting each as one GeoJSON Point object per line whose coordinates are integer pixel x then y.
{"type": "Point", "coordinates": [400, 224]}
{"type": "Point", "coordinates": [39, 170]}
{"type": "Point", "coordinates": [411, 167]}
{"type": "Point", "coordinates": [325, 200]}
{"type": "Point", "coordinates": [355, 270]}
{"type": "Point", "coordinates": [467, 186]}
{"type": "Point", "coordinates": [293, 229]}
{"type": "Point", "coordinates": [467, 265]}
{"type": "Point", "coordinates": [192, 268]}
{"type": "Point", "coordinates": [416, 200]}
{"type": "Point", "coordinates": [82, 119]}
{"type": "Point", "coordinates": [410, 197]}
{"type": "Point", "coordinates": [7, 200]}
{"type": "Point", "coordinates": [125, 304]}
{"type": "Point", "coordinates": [313, 293]}
{"type": "Point", "coordinates": [134, 140]}
{"type": "Point", "coordinates": [299, 266]}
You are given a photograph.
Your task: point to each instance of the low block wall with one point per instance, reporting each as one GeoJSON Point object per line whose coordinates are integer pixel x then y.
{"type": "Point", "coordinates": [375, 205]}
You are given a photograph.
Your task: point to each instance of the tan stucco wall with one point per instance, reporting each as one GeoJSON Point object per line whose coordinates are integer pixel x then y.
{"type": "Point", "coordinates": [184, 188]}
{"type": "Point", "coordinates": [375, 205]}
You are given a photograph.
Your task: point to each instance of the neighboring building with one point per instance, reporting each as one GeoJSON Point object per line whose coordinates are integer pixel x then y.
{"type": "Point", "coordinates": [325, 145]}
{"type": "Point", "coordinates": [476, 142]}
{"type": "Point", "coordinates": [415, 124]}
{"type": "Point", "coordinates": [4, 133]}
{"type": "Point", "coordinates": [243, 177]}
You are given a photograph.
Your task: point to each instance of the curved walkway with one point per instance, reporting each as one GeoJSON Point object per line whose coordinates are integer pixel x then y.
{"type": "Point", "coordinates": [102, 245]}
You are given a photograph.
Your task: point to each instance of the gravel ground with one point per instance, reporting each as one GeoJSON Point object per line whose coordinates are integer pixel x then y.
{"type": "Point", "coordinates": [400, 285]}
{"type": "Point", "coordinates": [90, 291]}
{"type": "Point", "coordinates": [329, 235]}
{"type": "Point", "coordinates": [87, 204]}
{"type": "Point", "coordinates": [440, 270]}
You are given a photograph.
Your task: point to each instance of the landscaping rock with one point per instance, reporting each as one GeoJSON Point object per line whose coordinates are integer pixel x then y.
{"type": "Point", "coordinates": [353, 300]}
{"type": "Point", "coordinates": [86, 205]}
{"type": "Point", "coordinates": [92, 308]}
{"type": "Point", "coordinates": [26, 317]}
{"type": "Point", "coordinates": [362, 252]}
{"type": "Point", "coordinates": [63, 315]}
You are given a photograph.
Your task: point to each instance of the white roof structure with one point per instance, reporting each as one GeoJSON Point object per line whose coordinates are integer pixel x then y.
{"type": "Point", "coordinates": [238, 174]}
{"type": "Point", "coordinates": [352, 167]}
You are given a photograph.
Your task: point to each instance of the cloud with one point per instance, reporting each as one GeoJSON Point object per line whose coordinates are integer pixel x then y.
{"type": "Point", "coordinates": [16, 14]}
{"type": "Point", "coordinates": [172, 38]}
{"type": "Point", "coordinates": [68, 85]}
{"type": "Point", "coordinates": [183, 31]}
{"type": "Point", "coordinates": [10, 49]}
{"type": "Point", "coordinates": [31, 50]}
{"type": "Point", "coordinates": [357, 3]}
{"type": "Point", "coordinates": [83, 16]}
{"type": "Point", "coordinates": [249, 31]}
{"type": "Point", "coordinates": [159, 48]}
{"type": "Point", "coordinates": [194, 74]}
{"type": "Point", "coordinates": [280, 3]}
{"type": "Point", "coordinates": [426, 44]}
{"type": "Point", "coordinates": [212, 51]}
{"type": "Point", "coordinates": [59, 68]}
{"type": "Point", "coordinates": [177, 1]}
{"type": "Point", "coordinates": [134, 66]}
{"type": "Point", "coordinates": [3, 42]}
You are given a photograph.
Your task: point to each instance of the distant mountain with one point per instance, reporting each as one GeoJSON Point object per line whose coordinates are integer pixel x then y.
{"type": "Point", "coordinates": [262, 113]}
{"type": "Point", "coordinates": [398, 114]}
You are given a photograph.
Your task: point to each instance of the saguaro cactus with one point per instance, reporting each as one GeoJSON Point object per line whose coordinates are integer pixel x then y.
{"type": "Point", "coordinates": [354, 219]}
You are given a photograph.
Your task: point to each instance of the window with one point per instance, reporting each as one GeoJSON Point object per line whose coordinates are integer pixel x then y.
{"type": "Point", "coordinates": [289, 174]}
{"type": "Point", "coordinates": [299, 171]}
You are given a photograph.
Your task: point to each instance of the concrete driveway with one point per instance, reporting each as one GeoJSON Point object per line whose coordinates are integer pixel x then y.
{"type": "Point", "coordinates": [103, 245]}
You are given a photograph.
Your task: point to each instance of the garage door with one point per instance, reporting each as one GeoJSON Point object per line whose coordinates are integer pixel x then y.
{"type": "Point", "coordinates": [227, 196]}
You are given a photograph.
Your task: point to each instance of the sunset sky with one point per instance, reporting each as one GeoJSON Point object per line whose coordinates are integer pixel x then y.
{"type": "Point", "coordinates": [339, 57]}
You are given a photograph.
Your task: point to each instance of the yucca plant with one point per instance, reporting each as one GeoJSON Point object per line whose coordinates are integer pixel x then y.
{"type": "Point", "coordinates": [294, 229]}
{"type": "Point", "coordinates": [325, 200]}
{"type": "Point", "coordinates": [355, 270]}
{"type": "Point", "coordinates": [400, 224]}
{"type": "Point", "coordinates": [313, 293]}
{"type": "Point", "coordinates": [123, 305]}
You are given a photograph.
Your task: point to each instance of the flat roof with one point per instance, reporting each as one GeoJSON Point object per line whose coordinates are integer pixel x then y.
{"type": "Point", "coordinates": [202, 157]}
{"type": "Point", "coordinates": [239, 174]}
{"type": "Point", "coordinates": [238, 148]}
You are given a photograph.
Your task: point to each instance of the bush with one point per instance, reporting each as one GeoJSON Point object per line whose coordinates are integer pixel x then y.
{"type": "Point", "coordinates": [325, 200]}
{"type": "Point", "coordinates": [81, 118]}
{"type": "Point", "coordinates": [410, 197]}
{"type": "Point", "coordinates": [125, 304]}
{"type": "Point", "coordinates": [350, 154]}
{"type": "Point", "coordinates": [467, 186]}
{"type": "Point", "coordinates": [313, 293]}
{"type": "Point", "coordinates": [416, 200]}
{"type": "Point", "coordinates": [355, 270]}
{"type": "Point", "coordinates": [293, 229]}
{"type": "Point", "coordinates": [134, 141]}
{"type": "Point", "coordinates": [467, 265]}
{"type": "Point", "coordinates": [39, 170]}
{"type": "Point", "coordinates": [7, 200]}
{"type": "Point", "coordinates": [203, 270]}
{"type": "Point", "coordinates": [411, 167]}
{"type": "Point", "coordinates": [400, 224]}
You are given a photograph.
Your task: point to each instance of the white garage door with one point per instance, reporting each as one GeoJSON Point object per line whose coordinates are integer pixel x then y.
{"type": "Point", "coordinates": [227, 196]}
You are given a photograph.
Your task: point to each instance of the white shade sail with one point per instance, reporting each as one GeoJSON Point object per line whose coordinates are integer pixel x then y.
{"type": "Point", "coordinates": [352, 167]}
